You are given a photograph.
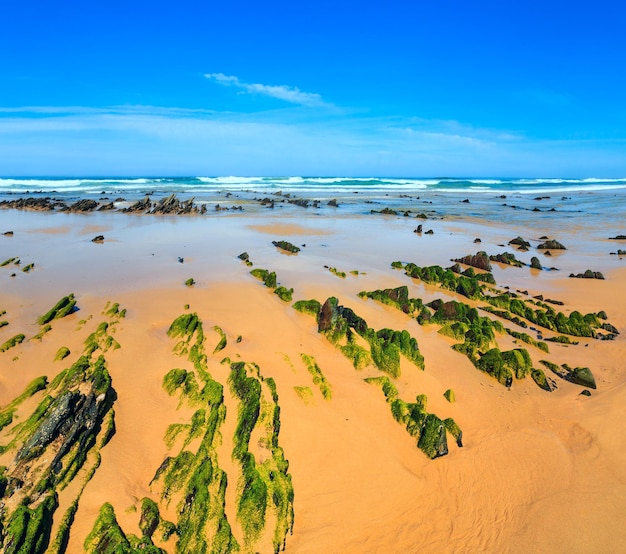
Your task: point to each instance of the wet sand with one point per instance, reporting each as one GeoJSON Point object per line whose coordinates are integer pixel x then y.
{"type": "Point", "coordinates": [539, 471]}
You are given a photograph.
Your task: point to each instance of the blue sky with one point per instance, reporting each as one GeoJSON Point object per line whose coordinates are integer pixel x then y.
{"type": "Point", "coordinates": [397, 88]}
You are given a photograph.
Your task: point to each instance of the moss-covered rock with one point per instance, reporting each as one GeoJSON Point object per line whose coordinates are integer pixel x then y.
{"type": "Point", "coordinates": [286, 246]}
{"type": "Point", "coordinates": [268, 277]}
{"type": "Point", "coordinates": [551, 245]}
{"type": "Point", "coordinates": [582, 376]}
{"type": "Point", "coordinates": [311, 307]}
{"type": "Point", "coordinates": [539, 377]}
{"type": "Point", "coordinates": [63, 307]}
{"type": "Point", "coordinates": [12, 342]}
{"type": "Point", "coordinates": [479, 260]}
{"type": "Point", "coordinates": [284, 293]}
{"type": "Point", "coordinates": [449, 396]}
{"type": "Point", "coordinates": [150, 517]}
{"type": "Point", "coordinates": [107, 536]}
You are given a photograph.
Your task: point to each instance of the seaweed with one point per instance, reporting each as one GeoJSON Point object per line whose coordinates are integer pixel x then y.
{"type": "Point", "coordinates": [195, 477]}
{"type": "Point", "coordinates": [528, 340]}
{"type": "Point", "coordinates": [428, 429]}
{"type": "Point", "coordinates": [358, 355]}
{"type": "Point", "coordinates": [305, 394]}
{"type": "Point", "coordinates": [223, 340]}
{"type": "Point", "coordinates": [335, 271]}
{"type": "Point", "coordinates": [265, 485]}
{"type": "Point", "coordinates": [318, 377]}
{"type": "Point", "coordinates": [575, 324]}
{"type": "Point", "coordinates": [36, 385]}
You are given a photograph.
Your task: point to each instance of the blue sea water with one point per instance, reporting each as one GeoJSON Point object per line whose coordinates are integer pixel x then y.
{"type": "Point", "coordinates": [520, 201]}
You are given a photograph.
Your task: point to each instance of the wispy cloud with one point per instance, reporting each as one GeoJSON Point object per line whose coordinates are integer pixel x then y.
{"type": "Point", "coordinates": [293, 95]}
{"type": "Point", "coordinates": [133, 140]}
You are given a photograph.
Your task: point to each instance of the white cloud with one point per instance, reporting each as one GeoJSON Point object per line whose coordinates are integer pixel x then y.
{"type": "Point", "coordinates": [292, 95]}
{"type": "Point", "coordinates": [135, 140]}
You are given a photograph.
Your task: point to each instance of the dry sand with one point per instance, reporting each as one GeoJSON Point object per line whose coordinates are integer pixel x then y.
{"type": "Point", "coordinates": [538, 472]}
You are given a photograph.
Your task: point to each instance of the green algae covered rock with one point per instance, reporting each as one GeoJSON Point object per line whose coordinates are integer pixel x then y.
{"type": "Point", "coordinates": [107, 536]}
{"type": "Point", "coordinates": [449, 396]}
{"type": "Point", "coordinates": [28, 530]}
{"type": "Point", "coordinates": [286, 246]}
{"type": "Point", "coordinates": [492, 363]}
{"type": "Point", "coordinates": [311, 307]}
{"type": "Point", "coordinates": [268, 278]}
{"type": "Point", "coordinates": [62, 308]}
{"type": "Point", "coordinates": [582, 376]}
{"type": "Point", "coordinates": [539, 377]}
{"type": "Point", "coordinates": [13, 341]}
{"type": "Point", "coordinates": [454, 430]}
{"type": "Point", "coordinates": [433, 440]}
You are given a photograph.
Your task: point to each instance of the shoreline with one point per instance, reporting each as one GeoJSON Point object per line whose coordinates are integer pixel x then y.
{"type": "Point", "coordinates": [528, 455]}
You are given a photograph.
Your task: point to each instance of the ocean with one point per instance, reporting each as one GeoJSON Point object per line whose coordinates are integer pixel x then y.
{"type": "Point", "coordinates": [591, 201]}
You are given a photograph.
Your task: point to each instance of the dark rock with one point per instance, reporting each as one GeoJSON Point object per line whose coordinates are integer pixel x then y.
{"type": "Point", "coordinates": [244, 256]}
{"type": "Point", "coordinates": [466, 201]}
{"type": "Point", "coordinates": [506, 258]}
{"type": "Point", "coordinates": [84, 206]}
{"type": "Point", "coordinates": [181, 260]}
{"type": "Point", "coordinates": [519, 241]}
{"type": "Point", "coordinates": [430, 232]}
{"type": "Point", "coordinates": [8, 234]}
{"type": "Point", "coordinates": [418, 229]}
{"type": "Point", "coordinates": [588, 275]}
{"type": "Point", "coordinates": [551, 245]}
{"type": "Point", "coordinates": [618, 237]}
{"type": "Point", "coordinates": [172, 205]}
{"type": "Point", "coordinates": [585, 393]}
{"type": "Point", "coordinates": [385, 211]}
{"type": "Point", "coordinates": [479, 260]}
{"type": "Point", "coordinates": [139, 206]}
{"type": "Point", "coordinates": [535, 263]}
{"type": "Point", "coordinates": [477, 240]}
{"type": "Point", "coordinates": [46, 204]}
{"type": "Point", "coordinates": [547, 253]}
{"type": "Point", "coordinates": [583, 376]}
{"type": "Point", "coordinates": [333, 203]}
{"type": "Point", "coordinates": [98, 239]}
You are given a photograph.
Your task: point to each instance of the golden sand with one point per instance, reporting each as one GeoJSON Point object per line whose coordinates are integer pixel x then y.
{"type": "Point", "coordinates": [538, 472]}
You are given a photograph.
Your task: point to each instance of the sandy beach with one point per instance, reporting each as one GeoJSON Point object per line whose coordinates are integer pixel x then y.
{"type": "Point", "coordinates": [538, 470]}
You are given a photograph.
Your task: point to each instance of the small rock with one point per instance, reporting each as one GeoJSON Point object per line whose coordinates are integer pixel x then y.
{"type": "Point", "coordinates": [99, 239]}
